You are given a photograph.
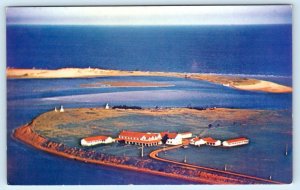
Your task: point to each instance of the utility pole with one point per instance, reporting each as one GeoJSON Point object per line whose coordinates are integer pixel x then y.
{"type": "Point", "coordinates": [142, 150]}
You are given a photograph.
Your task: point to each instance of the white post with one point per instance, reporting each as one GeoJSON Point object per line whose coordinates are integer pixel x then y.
{"type": "Point", "coordinates": [61, 109]}
{"type": "Point", "coordinates": [142, 151]}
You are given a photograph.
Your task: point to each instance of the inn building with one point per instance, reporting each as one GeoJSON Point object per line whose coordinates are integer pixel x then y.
{"type": "Point", "coordinates": [140, 138]}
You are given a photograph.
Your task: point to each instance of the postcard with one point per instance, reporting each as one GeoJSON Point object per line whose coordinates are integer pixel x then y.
{"type": "Point", "coordinates": [120, 95]}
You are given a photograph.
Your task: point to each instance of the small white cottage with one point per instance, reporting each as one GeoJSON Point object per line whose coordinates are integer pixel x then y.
{"type": "Point", "coordinates": [92, 141]}
{"type": "Point", "coordinates": [197, 141]}
{"type": "Point", "coordinates": [174, 139]}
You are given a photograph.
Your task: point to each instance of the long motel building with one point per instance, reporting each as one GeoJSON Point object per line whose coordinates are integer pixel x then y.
{"type": "Point", "coordinates": [92, 141]}
{"type": "Point", "coordinates": [140, 138]}
{"type": "Point", "coordinates": [236, 142]}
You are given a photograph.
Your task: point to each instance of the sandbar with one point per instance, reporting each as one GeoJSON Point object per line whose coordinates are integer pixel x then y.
{"type": "Point", "coordinates": [124, 84]}
{"type": "Point", "coordinates": [236, 82]}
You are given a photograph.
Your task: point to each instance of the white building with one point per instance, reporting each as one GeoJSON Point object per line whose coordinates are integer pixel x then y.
{"type": "Point", "coordinates": [197, 141]}
{"type": "Point", "coordinates": [92, 141]}
{"type": "Point", "coordinates": [174, 139]}
{"type": "Point", "coordinates": [186, 135]}
{"type": "Point", "coordinates": [236, 142]}
{"type": "Point", "coordinates": [193, 140]}
{"type": "Point", "coordinates": [205, 141]}
{"type": "Point", "coordinates": [106, 106]}
{"type": "Point", "coordinates": [212, 142]}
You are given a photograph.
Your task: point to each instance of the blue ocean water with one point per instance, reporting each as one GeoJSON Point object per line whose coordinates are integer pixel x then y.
{"type": "Point", "coordinates": [260, 51]}
{"type": "Point", "coordinates": [253, 49]}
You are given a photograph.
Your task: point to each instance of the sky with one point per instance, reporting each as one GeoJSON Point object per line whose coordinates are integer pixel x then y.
{"type": "Point", "coordinates": [151, 15]}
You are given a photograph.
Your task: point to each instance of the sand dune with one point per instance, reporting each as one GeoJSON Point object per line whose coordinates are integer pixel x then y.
{"type": "Point", "coordinates": [249, 84]}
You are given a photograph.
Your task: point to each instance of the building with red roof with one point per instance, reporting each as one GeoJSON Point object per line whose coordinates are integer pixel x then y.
{"type": "Point", "coordinates": [212, 142]}
{"type": "Point", "coordinates": [197, 141]}
{"type": "Point", "coordinates": [193, 140]}
{"type": "Point", "coordinates": [175, 138]}
{"type": "Point", "coordinates": [140, 138]}
{"type": "Point", "coordinates": [92, 141]}
{"type": "Point", "coordinates": [236, 142]}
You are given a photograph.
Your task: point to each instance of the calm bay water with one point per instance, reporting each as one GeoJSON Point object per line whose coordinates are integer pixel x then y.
{"type": "Point", "coordinates": [263, 51]}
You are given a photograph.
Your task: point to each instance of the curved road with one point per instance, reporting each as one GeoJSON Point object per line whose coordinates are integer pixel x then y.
{"type": "Point", "coordinates": [154, 155]}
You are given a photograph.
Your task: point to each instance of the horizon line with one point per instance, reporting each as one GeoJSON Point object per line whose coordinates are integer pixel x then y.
{"type": "Point", "coordinates": [153, 15]}
{"type": "Point", "coordinates": [137, 25]}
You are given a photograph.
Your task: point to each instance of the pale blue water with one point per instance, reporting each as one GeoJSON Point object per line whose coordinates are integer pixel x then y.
{"type": "Point", "coordinates": [256, 50]}
{"type": "Point", "coordinates": [184, 93]}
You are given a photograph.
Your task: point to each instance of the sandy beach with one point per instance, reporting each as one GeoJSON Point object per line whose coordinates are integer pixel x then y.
{"type": "Point", "coordinates": [240, 83]}
{"type": "Point", "coordinates": [265, 86]}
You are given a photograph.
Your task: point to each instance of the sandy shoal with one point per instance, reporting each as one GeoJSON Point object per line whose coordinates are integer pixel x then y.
{"type": "Point", "coordinates": [241, 83]}
{"type": "Point", "coordinates": [125, 84]}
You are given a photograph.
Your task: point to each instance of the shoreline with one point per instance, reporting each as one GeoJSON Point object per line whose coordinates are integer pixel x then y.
{"type": "Point", "coordinates": [19, 134]}
{"type": "Point", "coordinates": [194, 173]}
{"type": "Point", "coordinates": [236, 82]}
{"type": "Point", "coordinates": [202, 178]}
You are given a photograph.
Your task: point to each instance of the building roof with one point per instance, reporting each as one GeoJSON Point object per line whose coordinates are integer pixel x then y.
{"type": "Point", "coordinates": [138, 134]}
{"type": "Point", "coordinates": [210, 140]}
{"type": "Point", "coordinates": [236, 140]}
{"type": "Point", "coordinates": [195, 139]}
{"type": "Point", "coordinates": [170, 135]}
{"type": "Point", "coordinates": [162, 134]}
{"type": "Point", "coordinates": [141, 141]}
{"type": "Point", "coordinates": [101, 138]}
